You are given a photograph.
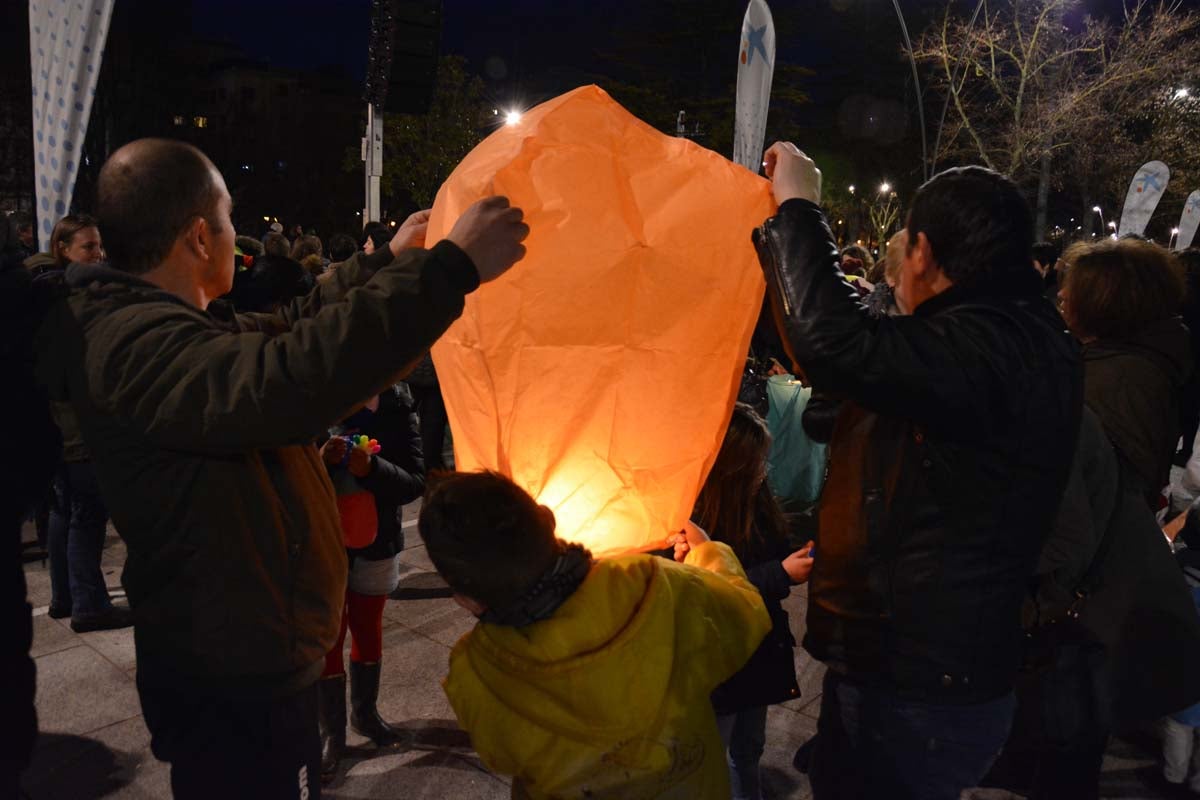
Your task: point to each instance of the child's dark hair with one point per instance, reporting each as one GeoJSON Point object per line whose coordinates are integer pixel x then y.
{"type": "Point", "coordinates": [487, 537]}
{"type": "Point", "coordinates": [735, 505]}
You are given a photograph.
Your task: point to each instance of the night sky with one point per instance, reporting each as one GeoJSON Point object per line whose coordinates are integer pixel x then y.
{"type": "Point", "coordinates": [515, 43]}
{"type": "Point", "coordinates": [511, 43]}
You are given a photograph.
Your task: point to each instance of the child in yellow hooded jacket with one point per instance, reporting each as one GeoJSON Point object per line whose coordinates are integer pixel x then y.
{"type": "Point", "coordinates": [587, 678]}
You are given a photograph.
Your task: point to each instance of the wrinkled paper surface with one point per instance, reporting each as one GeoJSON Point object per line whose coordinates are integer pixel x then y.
{"type": "Point", "coordinates": [601, 371]}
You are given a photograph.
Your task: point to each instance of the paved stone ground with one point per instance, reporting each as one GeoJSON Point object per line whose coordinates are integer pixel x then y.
{"type": "Point", "coordinates": [94, 743]}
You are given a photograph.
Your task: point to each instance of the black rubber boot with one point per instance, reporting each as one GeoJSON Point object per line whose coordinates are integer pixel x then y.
{"type": "Point", "coordinates": [331, 695]}
{"type": "Point", "coordinates": [364, 714]}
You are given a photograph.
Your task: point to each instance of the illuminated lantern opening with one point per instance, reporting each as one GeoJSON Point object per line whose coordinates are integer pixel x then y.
{"type": "Point", "coordinates": [601, 371]}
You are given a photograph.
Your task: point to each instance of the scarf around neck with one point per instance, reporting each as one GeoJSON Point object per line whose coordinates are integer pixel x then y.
{"type": "Point", "coordinates": [549, 592]}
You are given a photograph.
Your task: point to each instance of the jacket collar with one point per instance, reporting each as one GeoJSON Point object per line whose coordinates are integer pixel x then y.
{"type": "Point", "coordinates": [80, 275]}
{"type": "Point", "coordinates": [1011, 284]}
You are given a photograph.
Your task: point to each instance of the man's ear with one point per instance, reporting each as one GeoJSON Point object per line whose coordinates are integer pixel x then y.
{"type": "Point", "coordinates": [548, 517]}
{"type": "Point", "coordinates": [202, 234]}
{"type": "Point", "coordinates": [196, 239]}
{"type": "Point", "coordinates": [922, 256]}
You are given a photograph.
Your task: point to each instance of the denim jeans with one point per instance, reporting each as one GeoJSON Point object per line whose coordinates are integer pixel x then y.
{"type": "Point", "coordinates": [78, 521]}
{"type": "Point", "coordinates": [744, 735]}
{"type": "Point", "coordinates": [872, 743]}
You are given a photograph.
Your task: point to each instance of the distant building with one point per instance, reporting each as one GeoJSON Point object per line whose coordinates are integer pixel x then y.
{"type": "Point", "coordinates": [281, 138]}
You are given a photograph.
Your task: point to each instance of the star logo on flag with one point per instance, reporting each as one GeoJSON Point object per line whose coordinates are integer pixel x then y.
{"type": "Point", "coordinates": [754, 41]}
{"type": "Point", "coordinates": [1149, 180]}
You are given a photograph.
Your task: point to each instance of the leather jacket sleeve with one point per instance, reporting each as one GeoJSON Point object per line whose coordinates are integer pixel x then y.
{"type": "Point", "coordinates": [910, 366]}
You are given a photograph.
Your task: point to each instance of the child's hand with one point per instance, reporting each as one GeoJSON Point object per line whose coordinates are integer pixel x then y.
{"type": "Point", "coordinates": [691, 535]}
{"type": "Point", "coordinates": [360, 462]}
{"type": "Point", "coordinates": [334, 450]}
{"type": "Point", "coordinates": [799, 564]}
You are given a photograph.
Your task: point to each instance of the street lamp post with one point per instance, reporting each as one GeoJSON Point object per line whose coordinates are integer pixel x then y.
{"type": "Point", "coordinates": [1174, 236]}
{"type": "Point", "coordinates": [1101, 213]}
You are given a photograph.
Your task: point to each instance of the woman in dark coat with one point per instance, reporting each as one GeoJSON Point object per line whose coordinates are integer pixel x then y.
{"type": "Point", "coordinates": [1121, 299]}
{"type": "Point", "coordinates": [736, 507]}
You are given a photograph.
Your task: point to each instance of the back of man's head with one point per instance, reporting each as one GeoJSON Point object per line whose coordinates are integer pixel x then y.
{"type": "Point", "coordinates": [1045, 254]}
{"type": "Point", "coordinates": [276, 244]}
{"type": "Point", "coordinates": [149, 192]}
{"type": "Point", "coordinates": [487, 537]}
{"type": "Point", "coordinates": [977, 223]}
{"type": "Point", "coordinates": [341, 247]}
{"type": "Point", "coordinates": [22, 221]}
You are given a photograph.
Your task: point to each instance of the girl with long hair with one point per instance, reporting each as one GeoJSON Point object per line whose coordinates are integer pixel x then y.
{"type": "Point", "coordinates": [736, 506]}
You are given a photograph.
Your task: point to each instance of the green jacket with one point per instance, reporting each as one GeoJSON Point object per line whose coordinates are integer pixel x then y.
{"type": "Point", "coordinates": [201, 427]}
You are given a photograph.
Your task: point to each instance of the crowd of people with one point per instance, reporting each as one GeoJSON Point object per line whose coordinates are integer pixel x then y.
{"type": "Point", "coordinates": [994, 583]}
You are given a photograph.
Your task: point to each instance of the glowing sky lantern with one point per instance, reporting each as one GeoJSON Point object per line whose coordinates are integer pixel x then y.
{"type": "Point", "coordinates": [601, 371]}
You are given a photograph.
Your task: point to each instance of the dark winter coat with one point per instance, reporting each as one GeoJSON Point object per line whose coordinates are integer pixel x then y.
{"type": "Point", "coordinates": [1139, 608]}
{"type": "Point", "coordinates": [201, 430]}
{"type": "Point", "coordinates": [946, 464]}
{"type": "Point", "coordinates": [770, 674]}
{"type": "Point", "coordinates": [1135, 386]}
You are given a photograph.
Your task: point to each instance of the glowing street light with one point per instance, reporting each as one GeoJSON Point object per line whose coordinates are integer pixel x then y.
{"type": "Point", "coordinates": [852, 188]}
{"type": "Point", "coordinates": [1174, 237]}
{"type": "Point", "coordinates": [512, 117]}
{"type": "Point", "coordinates": [1181, 93]}
{"type": "Point", "coordinates": [1112, 226]}
{"type": "Point", "coordinates": [1101, 213]}
{"type": "Point", "coordinates": [885, 187]}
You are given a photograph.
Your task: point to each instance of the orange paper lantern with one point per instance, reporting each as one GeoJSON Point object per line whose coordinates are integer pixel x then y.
{"type": "Point", "coordinates": [601, 371]}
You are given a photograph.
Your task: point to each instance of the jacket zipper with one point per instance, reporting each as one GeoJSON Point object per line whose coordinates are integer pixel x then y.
{"type": "Point", "coordinates": [764, 232]}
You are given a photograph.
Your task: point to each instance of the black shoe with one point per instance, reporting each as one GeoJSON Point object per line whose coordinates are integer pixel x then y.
{"type": "Point", "coordinates": [331, 699]}
{"type": "Point", "coordinates": [115, 617]}
{"type": "Point", "coordinates": [58, 612]}
{"type": "Point", "coordinates": [364, 714]}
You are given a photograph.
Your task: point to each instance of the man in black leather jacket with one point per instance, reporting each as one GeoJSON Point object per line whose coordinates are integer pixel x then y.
{"type": "Point", "coordinates": [948, 458]}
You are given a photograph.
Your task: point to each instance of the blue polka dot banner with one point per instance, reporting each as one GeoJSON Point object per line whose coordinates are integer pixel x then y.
{"type": "Point", "coordinates": [66, 44]}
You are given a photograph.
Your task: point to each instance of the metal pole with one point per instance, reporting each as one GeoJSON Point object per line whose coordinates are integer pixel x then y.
{"type": "Point", "coordinates": [917, 88]}
{"type": "Point", "coordinates": [373, 158]}
{"type": "Point", "coordinates": [937, 141]}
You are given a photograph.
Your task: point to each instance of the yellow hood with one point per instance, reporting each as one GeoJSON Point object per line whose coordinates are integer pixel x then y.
{"type": "Point", "coordinates": [609, 697]}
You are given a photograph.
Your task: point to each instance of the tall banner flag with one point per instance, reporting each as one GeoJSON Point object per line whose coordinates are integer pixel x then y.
{"type": "Point", "coordinates": [1188, 221]}
{"type": "Point", "coordinates": [66, 44]}
{"type": "Point", "coordinates": [1142, 198]}
{"type": "Point", "coordinates": [756, 67]}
